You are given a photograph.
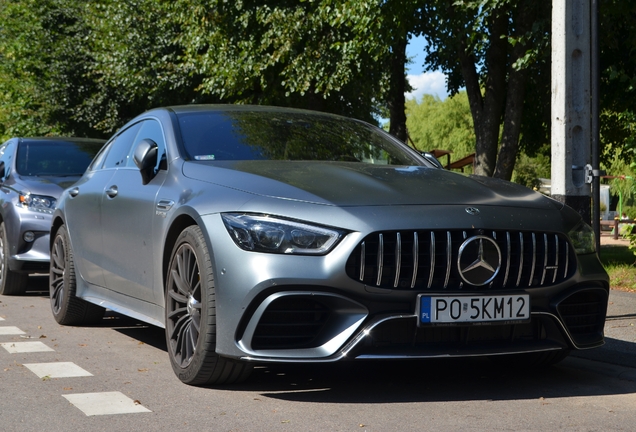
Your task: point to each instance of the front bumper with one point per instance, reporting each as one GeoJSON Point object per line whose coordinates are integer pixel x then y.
{"type": "Point", "coordinates": [284, 308]}
{"type": "Point", "coordinates": [34, 256]}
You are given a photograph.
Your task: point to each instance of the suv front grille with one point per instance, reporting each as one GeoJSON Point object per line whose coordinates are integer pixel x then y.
{"type": "Point", "coordinates": [422, 260]}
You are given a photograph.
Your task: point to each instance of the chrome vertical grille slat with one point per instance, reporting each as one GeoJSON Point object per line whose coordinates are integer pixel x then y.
{"type": "Point", "coordinates": [416, 254]}
{"type": "Point", "coordinates": [534, 259]}
{"type": "Point", "coordinates": [380, 259]}
{"type": "Point", "coordinates": [449, 257]}
{"type": "Point", "coordinates": [384, 259]}
{"type": "Point", "coordinates": [545, 257]}
{"type": "Point", "coordinates": [556, 255]}
{"type": "Point", "coordinates": [398, 259]}
{"type": "Point", "coordinates": [521, 252]}
{"type": "Point", "coordinates": [432, 265]}
{"type": "Point", "coordinates": [363, 257]}
{"type": "Point", "coordinates": [508, 255]}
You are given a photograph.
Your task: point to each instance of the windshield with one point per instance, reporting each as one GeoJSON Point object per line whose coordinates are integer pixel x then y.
{"type": "Point", "coordinates": [55, 158]}
{"type": "Point", "coordinates": [263, 135]}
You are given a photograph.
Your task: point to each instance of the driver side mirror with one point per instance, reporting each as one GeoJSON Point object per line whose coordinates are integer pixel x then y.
{"type": "Point", "coordinates": [145, 157]}
{"type": "Point", "coordinates": [432, 159]}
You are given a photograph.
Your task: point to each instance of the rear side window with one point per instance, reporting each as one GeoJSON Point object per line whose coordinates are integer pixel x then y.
{"type": "Point", "coordinates": [55, 158]}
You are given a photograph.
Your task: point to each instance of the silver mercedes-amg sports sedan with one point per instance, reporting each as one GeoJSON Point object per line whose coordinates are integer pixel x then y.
{"type": "Point", "coordinates": [261, 234]}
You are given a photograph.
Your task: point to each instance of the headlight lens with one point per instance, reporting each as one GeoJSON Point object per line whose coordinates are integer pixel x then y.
{"type": "Point", "coordinates": [260, 233]}
{"type": "Point", "coordinates": [38, 203]}
{"type": "Point", "coordinates": [582, 238]}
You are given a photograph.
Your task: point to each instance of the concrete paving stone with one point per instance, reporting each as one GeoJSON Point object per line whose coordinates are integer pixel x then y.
{"type": "Point", "coordinates": [105, 403]}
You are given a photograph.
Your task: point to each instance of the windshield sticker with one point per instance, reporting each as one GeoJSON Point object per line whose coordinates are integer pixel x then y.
{"type": "Point", "coordinates": [204, 157]}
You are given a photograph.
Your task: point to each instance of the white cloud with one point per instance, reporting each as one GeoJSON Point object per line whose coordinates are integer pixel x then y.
{"type": "Point", "coordinates": [427, 83]}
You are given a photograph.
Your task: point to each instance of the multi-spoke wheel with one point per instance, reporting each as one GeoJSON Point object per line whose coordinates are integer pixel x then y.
{"type": "Point", "coordinates": [67, 308]}
{"type": "Point", "coordinates": [11, 283]}
{"type": "Point", "coordinates": [191, 316]}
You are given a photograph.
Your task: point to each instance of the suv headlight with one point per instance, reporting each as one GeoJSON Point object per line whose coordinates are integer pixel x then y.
{"type": "Point", "coordinates": [261, 233]}
{"type": "Point", "coordinates": [38, 203]}
{"type": "Point", "coordinates": [582, 238]}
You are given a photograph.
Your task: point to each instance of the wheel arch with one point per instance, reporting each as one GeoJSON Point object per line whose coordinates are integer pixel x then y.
{"type": "Point", "coordinates": [55, 225]}
{"type": "Point", "coordinates": [178, 225]}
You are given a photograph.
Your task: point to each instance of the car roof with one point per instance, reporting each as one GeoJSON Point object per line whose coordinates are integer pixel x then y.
{"type": "Point", "coordinates": [59, 139]}
{"type": "Point", "coordinates": [186, 109]}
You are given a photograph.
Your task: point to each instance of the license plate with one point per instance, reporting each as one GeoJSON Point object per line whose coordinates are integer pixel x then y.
{"type": "Point", "coordinates": [473, 309]}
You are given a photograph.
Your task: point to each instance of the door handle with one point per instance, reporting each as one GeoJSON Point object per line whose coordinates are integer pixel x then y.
{"type": "Point", "coordinates": [74, 192]}
{"type": "Point", "coordinates": [112, 191]}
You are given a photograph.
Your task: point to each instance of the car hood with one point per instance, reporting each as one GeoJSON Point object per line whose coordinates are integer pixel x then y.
{"type": "Point", "coordinates": [46, 185]}
{"type": "Point", "coordinates": [358, 184]}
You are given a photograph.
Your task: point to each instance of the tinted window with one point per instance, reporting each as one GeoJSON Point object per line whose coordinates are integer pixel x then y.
{"type": "Point", "coordinates": [151, 129]}
{"type": "Point", "coordinates": [119, 149]}
{"type": "Point", "coordinates": [55, 158]}
{"type": "Point", "coordinates": [244, 135]}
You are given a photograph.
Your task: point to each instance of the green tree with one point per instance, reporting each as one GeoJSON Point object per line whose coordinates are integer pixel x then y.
{"type": "Point", "coordinates": [489, 47]}
{"type": "Point", "coordinates": [445, 125]}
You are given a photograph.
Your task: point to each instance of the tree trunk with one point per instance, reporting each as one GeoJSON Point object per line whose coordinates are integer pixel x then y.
{"type": "Point", "coordinates": [514, 97]}
{"type": "Point", "coordinates": [396, 102]}
{"type": "Point", "coordinates": [487, 110]}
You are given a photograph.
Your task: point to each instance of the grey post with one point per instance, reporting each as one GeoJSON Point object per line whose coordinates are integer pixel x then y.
{"type": "Point", "coordinates": [571, 122]}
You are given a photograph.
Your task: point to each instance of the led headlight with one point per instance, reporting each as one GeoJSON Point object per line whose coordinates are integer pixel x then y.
{"type": "Point", "coordinates": [582, 238]}
{"type": "Point", "coordinates": [261, 233]}
{"type": "Point", "coordinates": [38, 203]}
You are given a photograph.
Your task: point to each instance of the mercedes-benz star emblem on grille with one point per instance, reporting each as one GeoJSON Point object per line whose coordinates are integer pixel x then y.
{"type": "Point", "coordinates": [472, 210]}
{"type": "Point", "coordinates": [479, 260]}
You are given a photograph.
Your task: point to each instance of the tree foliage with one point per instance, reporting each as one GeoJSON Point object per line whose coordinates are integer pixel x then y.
{"type": "Point", "coordinates": [84, 68]}
{"type": "Point", "coordinates": [445, 125]}
{"type": "Point", "coordinates": [489, 47]}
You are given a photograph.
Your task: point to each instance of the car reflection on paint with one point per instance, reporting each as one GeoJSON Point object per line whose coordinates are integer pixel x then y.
{"type": "Point", "coordinates": [260, 234]}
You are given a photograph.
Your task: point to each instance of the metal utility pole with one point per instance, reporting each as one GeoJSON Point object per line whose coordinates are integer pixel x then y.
{"type": "Point", "coordinates": [571, 125]}
{"type": "Point", "coordinates": [596, 83]}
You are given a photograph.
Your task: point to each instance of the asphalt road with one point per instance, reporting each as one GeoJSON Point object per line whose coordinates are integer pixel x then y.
{"type": "Point", "coordinates": [121, 366]}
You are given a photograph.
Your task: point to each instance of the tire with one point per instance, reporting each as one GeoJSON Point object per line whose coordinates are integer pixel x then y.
{"type": "Point", "coordinates": [66, 307]}
{"type": "Point", "coordinates": [531, 360]}
{"type": "Point", "coordinates": [191, 316]}
{"type": "Point", "coordinates": [11, 283]}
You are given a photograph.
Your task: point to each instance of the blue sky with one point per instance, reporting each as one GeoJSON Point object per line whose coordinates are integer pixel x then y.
{"type": "Point", "coordinates": [423, 82]}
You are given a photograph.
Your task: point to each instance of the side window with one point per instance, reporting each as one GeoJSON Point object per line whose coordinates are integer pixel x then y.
{"type": "Point", "coordinates": [151, 129]}
{"type": "Point", "coordinates": [119, 149]}
{"type": "Point", "coordinates": [6, 154]}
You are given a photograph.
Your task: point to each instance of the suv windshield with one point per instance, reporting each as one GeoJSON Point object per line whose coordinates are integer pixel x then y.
{"type": "Point", "coordinates": [55, 158]}
{"type": "Point", "coordinates": [264, 135]}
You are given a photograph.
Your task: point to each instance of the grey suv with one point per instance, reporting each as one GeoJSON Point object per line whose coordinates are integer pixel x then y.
{"type": "Point", "coordinates": [33, 173]}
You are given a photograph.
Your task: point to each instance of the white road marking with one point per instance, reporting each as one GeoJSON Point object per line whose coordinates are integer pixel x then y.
{"type": "Point", "coordinates": [1, 319]}
{"type": "Point", "coordinates": [10, 330]}
{"type": "Point", "coordinates": [105, 403]}
{"type": "Point", "coordinates": [57, 370]}
{"type": "Point", "coordinates": [25, 347]}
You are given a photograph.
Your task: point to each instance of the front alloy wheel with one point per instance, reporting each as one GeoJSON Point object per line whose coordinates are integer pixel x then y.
{"type": "Point", "coordinates": [191, 316]}
{"type": "Point", "coordinates": [11, 283]}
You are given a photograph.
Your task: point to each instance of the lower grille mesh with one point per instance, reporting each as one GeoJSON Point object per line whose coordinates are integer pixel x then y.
{"type": "Point", "coordinates": [290, 322]}
{"type": "Point", "coordinates": [584, 314]}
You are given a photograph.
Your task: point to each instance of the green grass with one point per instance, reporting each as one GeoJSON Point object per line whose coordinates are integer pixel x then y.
{"type": "Point", "coordinates": [620, 264]}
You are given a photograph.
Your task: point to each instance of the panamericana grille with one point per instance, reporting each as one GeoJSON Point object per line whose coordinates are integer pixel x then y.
{"type": "Point", "coordinates": [422, 260]}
